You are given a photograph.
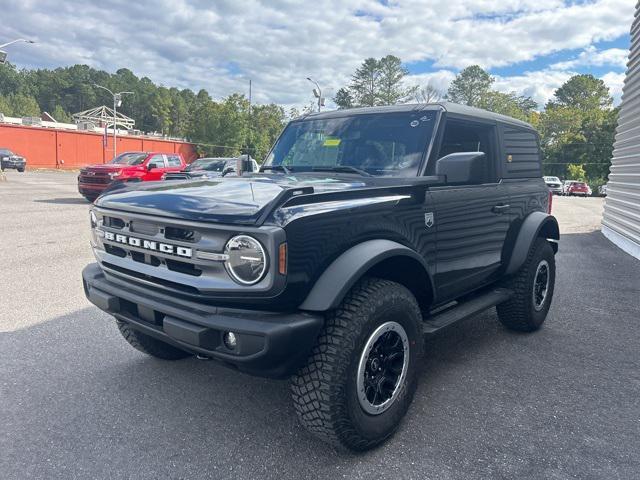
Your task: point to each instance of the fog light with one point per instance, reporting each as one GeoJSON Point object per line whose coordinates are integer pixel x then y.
{"type": "Point", "coordinates": [230, 340]}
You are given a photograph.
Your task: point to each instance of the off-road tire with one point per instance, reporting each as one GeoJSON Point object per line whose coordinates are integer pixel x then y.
{"type": "Point", "coordinates": [324, 391]}
{"type": "Point", "coordinates": [150, 345]}
{"type": "Point", "coordinates": [518, 313]}
{"type": "Point", "coordinates": [20, 170]}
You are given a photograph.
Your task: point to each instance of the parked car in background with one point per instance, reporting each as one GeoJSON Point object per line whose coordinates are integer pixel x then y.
{"type": "Point", "coordinates": [212, 168]}
{"type": "Point", "coordinates": [8, 159]}
{"type": "Point", "coordinates": [565, 186]}
{"type": "Point", "coordinates": [127, 167]}
{"type": "Point", "coordinates": [578, 188]}
{"type": "Point", "coordinates": [554, 184]}
{"type": "Point", "coordinates": [602, 190]}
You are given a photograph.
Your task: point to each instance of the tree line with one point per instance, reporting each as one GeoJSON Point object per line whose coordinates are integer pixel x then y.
{"type": "Point", "coordinates": [577, 125]}
{"type": "Point", "coordinates": [226, 127]}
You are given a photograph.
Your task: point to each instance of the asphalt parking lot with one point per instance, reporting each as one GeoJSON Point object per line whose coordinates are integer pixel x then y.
{"type": "Point", "coordinates": [76, 401]}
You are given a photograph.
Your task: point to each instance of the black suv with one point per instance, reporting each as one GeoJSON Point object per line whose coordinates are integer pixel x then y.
{"type": "Point", "coordinates": [8, 159]}
{"type": "Point", "coordinates": [364, 230]}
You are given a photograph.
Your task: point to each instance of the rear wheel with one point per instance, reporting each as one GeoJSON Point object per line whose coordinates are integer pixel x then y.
{"type": "Point", "coordinates": [149, 345]}
{"type": "Point", "coordinates": [21, 169]}
{"type": "Point", "coordinates": [362, 374]}
{"type": "Point", "coordinates": [533, 287]}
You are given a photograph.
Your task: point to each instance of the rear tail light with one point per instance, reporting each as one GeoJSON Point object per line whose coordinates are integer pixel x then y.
{"type": "Point", "coordinates": [550, 203]}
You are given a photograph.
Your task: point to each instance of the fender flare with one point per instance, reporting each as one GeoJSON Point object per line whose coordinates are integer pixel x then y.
{"type": "Point", "coordinates": [338, 278]}
{"type": "Point", "coordinates": [532, 227]}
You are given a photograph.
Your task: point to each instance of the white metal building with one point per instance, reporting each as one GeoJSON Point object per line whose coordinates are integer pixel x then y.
{"type": "Point", "coordinates": [621, 221]}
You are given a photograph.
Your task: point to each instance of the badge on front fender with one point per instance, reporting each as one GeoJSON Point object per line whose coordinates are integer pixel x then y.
{"type": "Point", "coordinates": [428, 219]}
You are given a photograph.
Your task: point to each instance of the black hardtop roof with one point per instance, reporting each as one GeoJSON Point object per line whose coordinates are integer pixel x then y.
{"type": "Point", "coordinates": [449, 107]}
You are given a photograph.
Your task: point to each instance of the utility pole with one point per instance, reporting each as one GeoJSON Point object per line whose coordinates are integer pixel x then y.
{"type": "Point", "coordinates": [117, 101]}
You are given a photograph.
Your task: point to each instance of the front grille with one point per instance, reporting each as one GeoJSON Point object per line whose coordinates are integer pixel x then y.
{"type": "Point", "coordinates": [167, 252]}
{"type": "Point", "coordinates": [146, 228]}
{"type": "Point", "coordinates": [96, 180]}
{"type": "Point", "coordinates": [150, 278]}
{"type": "Point", "coordinates": [180, 234]}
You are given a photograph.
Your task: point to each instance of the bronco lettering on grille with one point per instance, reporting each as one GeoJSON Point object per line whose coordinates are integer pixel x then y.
{"type": "Point", "coordinates": [148, 244]}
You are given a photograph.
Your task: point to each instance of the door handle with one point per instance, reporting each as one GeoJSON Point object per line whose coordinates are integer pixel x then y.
{"type": "Point", "coordinates": [500, 209]}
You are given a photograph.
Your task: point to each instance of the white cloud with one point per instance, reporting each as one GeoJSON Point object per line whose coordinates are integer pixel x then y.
{"type": "Point", "coordinates": [278, 43]}
{"type": "Point", "coordinates": [592, 57]}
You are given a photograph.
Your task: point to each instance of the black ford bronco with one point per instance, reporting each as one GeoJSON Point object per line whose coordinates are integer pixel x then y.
{"type": "Point", "coordinates": [364, 230]}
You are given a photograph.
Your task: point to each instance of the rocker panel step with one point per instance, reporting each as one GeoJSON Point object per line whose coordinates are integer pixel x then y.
{"type": "Point", "coordinates": [466, 309]}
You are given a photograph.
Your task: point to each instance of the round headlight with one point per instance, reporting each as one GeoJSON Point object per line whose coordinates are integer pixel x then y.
{"type": "Point", "coordinates": [247, 261]}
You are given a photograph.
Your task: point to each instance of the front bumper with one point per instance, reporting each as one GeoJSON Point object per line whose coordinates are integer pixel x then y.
{"type": "Point", "coordinates": [17, 164]}
{"type": "Point", "coordinates": [92, 189]}
{"type": "Point", "coordinates": [268, 344]}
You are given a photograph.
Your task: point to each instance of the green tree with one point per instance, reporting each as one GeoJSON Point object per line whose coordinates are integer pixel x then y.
{"type": "Point", "coordinates": [391, 88]}
{"type": "Point", "coordinates": [60, 115]}
{"type": "Point", "coordinates": [24, 105]}
{"type": "Point", "coordinates": [470, 86]}
{"type": "Point", "coordinates": [343, 98]}
{"type": "Point", "coordinates": [376, 82]}
{"type": "Point", "coordinates": [576, 172]}
{"type": "Point", "coordinates": [578, 127]}
{"type": "Point", "coordinates": [5, 107]}
{"type": "Point", "coordinates": [584, 92]}
{"type": "Point", "coordinates": [365, 83]}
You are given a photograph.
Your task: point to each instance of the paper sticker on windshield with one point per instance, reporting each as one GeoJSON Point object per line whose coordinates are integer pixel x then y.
{"type": "Point", "coordinates": [331, 142]}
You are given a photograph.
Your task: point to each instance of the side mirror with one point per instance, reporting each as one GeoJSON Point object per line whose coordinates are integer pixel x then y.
{"type": "Point", "coordinates": [227, 171]}
{"type": "Point", "coordinates": [463, 167]}
{"type": "Point", "coordinates": [151, 166]}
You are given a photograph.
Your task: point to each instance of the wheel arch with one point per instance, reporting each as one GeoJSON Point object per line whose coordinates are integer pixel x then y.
{"type": "Point", "coordinates": [535, 225]}
{"type": "Point", "coordinates": [384, 259]}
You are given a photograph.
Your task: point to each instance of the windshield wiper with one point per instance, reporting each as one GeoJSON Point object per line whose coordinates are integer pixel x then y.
{"type": "Point", "coordinates": [342, 168]}
{"type": "Point", "coordinates": [275, 167]}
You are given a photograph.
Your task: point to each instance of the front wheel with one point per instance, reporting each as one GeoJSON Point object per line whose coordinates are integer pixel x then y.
{"type": "Point", "coordinates": [362, 373]}
{"type": "Point", "coordinates": [533, 287]}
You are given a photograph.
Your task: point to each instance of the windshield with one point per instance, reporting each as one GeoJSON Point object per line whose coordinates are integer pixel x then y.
{"type": "Point", "coordinates": [4, 151]}
{"type": "Point", "coordinates": [208, 164]}
{"type": "Point", "coordinates": [551, 179]}
{"type": "Point", "coordinates": [383, 144]}
{"type": "Point", "coordinates": [135, 158]}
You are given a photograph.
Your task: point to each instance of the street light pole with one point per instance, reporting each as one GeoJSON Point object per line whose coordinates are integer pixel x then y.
{"type": "Point", "coordinates": [318, 94]}
{"type": "Point", "coordinates": [117, 101]}
{"type": "Point", "coordinates": [16, 41]}
{"type": "Point", "coordinates": [3, 54]}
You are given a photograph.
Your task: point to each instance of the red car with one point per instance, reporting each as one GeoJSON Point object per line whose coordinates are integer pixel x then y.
{"type": "Point", "coordinates": [127, 167]}
{"type": "Point", "coordinates": [578, 188]}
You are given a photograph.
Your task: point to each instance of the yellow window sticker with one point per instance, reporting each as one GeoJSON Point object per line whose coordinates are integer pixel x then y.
{"type": "Point", "coordinates": [331, 142]}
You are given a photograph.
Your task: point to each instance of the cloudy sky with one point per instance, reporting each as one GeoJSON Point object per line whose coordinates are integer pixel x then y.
{"type": "Point", "coordinates": [529, 46]}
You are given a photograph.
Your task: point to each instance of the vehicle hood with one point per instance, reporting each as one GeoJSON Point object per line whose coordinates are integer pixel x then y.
{"type": "Point", "coordinates": [233, 200]}
{"type": "Point", "coordinates": [108, 168]}
{"type": "Point", "coordinates": [12, 157]}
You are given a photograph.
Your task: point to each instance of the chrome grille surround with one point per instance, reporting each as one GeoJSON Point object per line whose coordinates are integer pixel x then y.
{"type": "Point", "coordinates": [203, 274]}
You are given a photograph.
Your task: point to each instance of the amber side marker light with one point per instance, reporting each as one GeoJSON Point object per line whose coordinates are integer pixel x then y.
{"type": "Point", "coordinates": [282, 259]}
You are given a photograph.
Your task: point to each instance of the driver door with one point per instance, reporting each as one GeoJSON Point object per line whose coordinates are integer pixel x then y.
{"type": "Point", "coordinates": [472, 219]}
{"type": "Point", "coordinates": [156, 166]}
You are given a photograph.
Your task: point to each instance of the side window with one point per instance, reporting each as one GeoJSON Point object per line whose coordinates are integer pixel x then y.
{"type": "Point", "coordinates": [173, 161]}
{"type": "Point", "coordinates": [157, 161]}
{"type": "Point", "coordinates": [522, 153]}
{"type": "Point", "coordinates": [461, 137]}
